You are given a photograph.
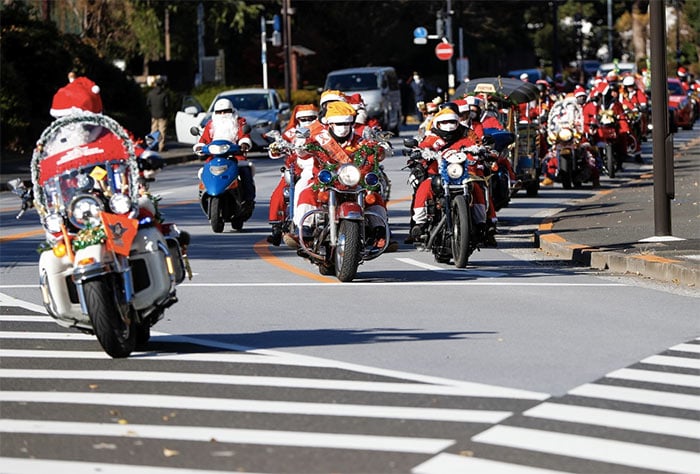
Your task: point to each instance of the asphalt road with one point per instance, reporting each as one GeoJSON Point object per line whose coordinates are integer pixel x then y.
{"type": "Point", "coordinates": [518, 363]}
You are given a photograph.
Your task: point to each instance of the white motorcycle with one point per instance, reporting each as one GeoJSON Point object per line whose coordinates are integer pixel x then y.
{"type": "Point", "coordinates": [109, 267]}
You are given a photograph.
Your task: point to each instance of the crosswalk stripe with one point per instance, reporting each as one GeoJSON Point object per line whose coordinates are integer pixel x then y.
{"type": "Point", "coordinates": [686, 348]}
{"type": "Point", "coordinates": [656, 377]}
{"type": "Point", "coordinates": [74, 336]}
{"type": "Point", "coordinates": [238, 380]}
{"type": "Point", "coordinates": [617, 419]}
{"type": "Point", "coordinates": [594, 449]}
{"type": "Point", "coordinates": [207, 434]}
{"type": "Point", "coordinates": [637, 395]}
{"type": "Point", "coordinates": [258, 406]}
{"type": "Point", "coordinates": [23, 466]}
{"type": "Point", "coordinates": [446, 462]}
{"type": "Point", "coordinates": [26, 319]}
{"type": "Point", "coordinates": [672, 361]}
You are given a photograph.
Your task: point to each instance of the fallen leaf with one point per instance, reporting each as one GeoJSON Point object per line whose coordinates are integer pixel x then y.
{"type": "Point", "coordinates": [168, 453]}
{"type": "Point", "coordinates": [122, 421]}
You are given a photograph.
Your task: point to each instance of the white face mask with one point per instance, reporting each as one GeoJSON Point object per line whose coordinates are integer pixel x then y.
{"type": "Point", "coordinates": [416, 78]}
{"type": "Point", "coordinates": [341, 129]}
{"type": "Point", "coordinates": [448, 126]}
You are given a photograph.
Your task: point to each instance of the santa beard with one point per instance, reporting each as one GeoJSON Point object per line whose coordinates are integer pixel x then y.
{"type": "Point", "coordinates": [224, 127]}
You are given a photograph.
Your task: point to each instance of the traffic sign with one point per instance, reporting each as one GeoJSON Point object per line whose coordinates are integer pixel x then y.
{"type": "Point", "coordinates": [420, 32]}
{"type": "Point", "coordinates": [444, 51]}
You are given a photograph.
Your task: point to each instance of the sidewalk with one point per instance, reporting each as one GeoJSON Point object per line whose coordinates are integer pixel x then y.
{"type": "Point", "coordinates": [614, 230]}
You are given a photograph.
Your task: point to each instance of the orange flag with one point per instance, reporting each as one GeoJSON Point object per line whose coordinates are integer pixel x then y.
{"type": "Point", "coordinates": [120, 230]}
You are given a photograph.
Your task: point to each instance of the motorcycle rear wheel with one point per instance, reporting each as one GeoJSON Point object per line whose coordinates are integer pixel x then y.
{"type": "Point", "coordinates": [215, 215]}
{"type": "Point", "coordinates": [460, 231]}
{"type": "Point", "coordinates": [347, 252]}
{"type": "Point", "coordinates": [117, 338]}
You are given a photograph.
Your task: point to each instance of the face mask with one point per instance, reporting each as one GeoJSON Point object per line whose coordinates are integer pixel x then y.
{"type": "Point", "coordinates": [448, 126]}
{"type": "Point", "coordinates": [416, 78]}
{"type": "Point", "coordinates": [341, 129]}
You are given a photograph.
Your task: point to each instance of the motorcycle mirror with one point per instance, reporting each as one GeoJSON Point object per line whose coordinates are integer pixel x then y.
{"type": "Point", "coordinates": [410, 142]}
{"type": "Point", "coordinates": [194, 131]}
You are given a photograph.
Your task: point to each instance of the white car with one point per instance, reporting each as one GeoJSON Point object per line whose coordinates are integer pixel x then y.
{"type": "Point", "coordinates": [263, 109]}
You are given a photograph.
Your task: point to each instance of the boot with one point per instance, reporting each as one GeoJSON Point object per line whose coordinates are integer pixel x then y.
{"type": "Point", "coordinates": [275, 238]}
{"type": "Point", "coordinates": [418, 232]}
{"type": "Point", "coordinates": [490, 238]}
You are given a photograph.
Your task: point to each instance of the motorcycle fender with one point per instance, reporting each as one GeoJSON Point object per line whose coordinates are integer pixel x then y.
{"type": "Point", "coordinates": [58, 291]}
{"type": "Point", "coordinates": [217, 184]}
{"type": "Point", "coordinates": [149, 269]}
{"type": "Point", "coordinates": [350, 210]}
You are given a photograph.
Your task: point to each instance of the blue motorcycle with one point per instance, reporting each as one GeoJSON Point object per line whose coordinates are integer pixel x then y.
{"type": "Point", "coordinates": [220, 186]}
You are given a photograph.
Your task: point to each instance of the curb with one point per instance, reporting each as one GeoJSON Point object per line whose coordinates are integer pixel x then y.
{"type": "Point", "coordinates": [650, 266]}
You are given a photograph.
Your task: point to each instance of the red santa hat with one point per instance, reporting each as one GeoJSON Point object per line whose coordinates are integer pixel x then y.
{"type": "Point", "coordinates": [462, 105]}
{"type": "Point", "coordinates": [80, 95]}
{"type": "Point", "coordinates": [578, 90]}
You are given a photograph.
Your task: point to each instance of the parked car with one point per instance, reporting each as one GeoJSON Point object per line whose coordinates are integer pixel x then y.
{"type": "Point", "coordinates": [680, 108]}
{"type": "Point", "coordinates": [379, 88]}
{"type": "Point", "coordinates": [263, 109]}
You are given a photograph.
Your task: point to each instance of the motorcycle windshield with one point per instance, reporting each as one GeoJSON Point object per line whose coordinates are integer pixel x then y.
{"type": "Point", "coordinates": [83, 153]}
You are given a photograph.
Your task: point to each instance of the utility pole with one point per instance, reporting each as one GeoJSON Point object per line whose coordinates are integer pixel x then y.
{"type": "Point", "coordinates": [287, 25]}
{"type": "Point", "coordinates": [610, 30]}
{"type": "Point", "coordinates": [450, 64]}
{"type": "Point", "coordinates": [662, 140]}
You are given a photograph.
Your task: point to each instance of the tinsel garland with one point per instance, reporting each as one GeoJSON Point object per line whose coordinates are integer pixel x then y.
{"type": "Point", "coordinates": [89, 236]}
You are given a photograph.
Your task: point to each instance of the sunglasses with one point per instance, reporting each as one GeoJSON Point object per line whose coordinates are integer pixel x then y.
{"type": "Point", "coordinates": [225, 111]}
{"type": "Point", "coordinates": [305, 119]}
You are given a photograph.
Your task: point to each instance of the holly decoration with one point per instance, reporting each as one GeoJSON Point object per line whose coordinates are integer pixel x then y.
{"type": "Point", "coordinates": [89, 236]}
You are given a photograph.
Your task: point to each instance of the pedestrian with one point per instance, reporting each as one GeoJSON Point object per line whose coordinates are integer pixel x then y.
{"type": "Point", "coordinates": [158, 104]}
{"type": "Point", "coordinates": [420, 93]}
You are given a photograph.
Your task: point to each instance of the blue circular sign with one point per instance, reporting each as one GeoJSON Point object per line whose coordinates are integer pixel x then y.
{"type": "Point", "coordinates": [420, 32]}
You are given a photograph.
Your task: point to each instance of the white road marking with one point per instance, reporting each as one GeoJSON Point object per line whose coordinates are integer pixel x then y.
{"type": "Point", "coordinates": [656, 377]}
{"type": "Point", "coordinates": [695, 348]}
{"type": "Point", "coordinates": [446, 462]}
{"type": "Point", "coordinates": [637, 395]}
{"type": "Point", "coordinates": [54, 466]}
{"type": "Point", "coordinates": [584, 447]}
{"type": "Point", "coordinates": [258, 406]}
{"type": "Point", "coordinates": [207, 434]}
{"type": "Point", "coordinates": [373, 283]}
{"type": "Point", "coordinates": [253, 380]}
{"type": "Point", "coordinates": [672, 361]}
{"type": "Point", "coordinates": [453, 271]}
{"type": "Point", "coordinates": [74, 336]}
{"type": "Point", "coordinates": [617, 419]}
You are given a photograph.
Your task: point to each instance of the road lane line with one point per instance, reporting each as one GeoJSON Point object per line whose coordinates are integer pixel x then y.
{"type": "Point", "coordinates": [21, 235]}
{"type": "Point", "coordinates": [176, 402]}
{"type": "Point", "coordinates": [207, 434]}
{"type": "Point", "coordinates": [656, 377]}
{"type": "Point", "coordinates": [638, 395]}
{"type": "Point", "coordinates": [594, 449]}
{"type": "Point", "coordinates": [616, 419]}
{"type": "Point", "coordinates": [74, 336]}
{"type": "Point", "coordinates": [453, 271]}
{"type": "Point", "coordinates": [263, 250]}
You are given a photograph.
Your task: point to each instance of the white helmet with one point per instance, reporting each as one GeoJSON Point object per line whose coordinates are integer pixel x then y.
{"type": "Point", "coordinates": [224, 105]}
{"type": "Point", "coordinates": [628, 81]}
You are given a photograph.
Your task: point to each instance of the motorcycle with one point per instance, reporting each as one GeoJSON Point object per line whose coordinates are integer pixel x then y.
{"type": "Point", "coordinates": [220, 194]}
{"type": "Point", "coordinates": [336, 236]}
{"type": "Point", "coordinates": [501, 186]}
{"type": "Point", "coordinates": [109, 266]}
{"type": "Point", "coordinates": [604, 136]}
{"type": "Point", "coordinates": [452, 231]}
{"type": "Point", "coordinates": [568, 160]}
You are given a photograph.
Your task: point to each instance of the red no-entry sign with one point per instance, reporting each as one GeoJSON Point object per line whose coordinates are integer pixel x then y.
{"type": "Point", "coordinates": [444, 51]}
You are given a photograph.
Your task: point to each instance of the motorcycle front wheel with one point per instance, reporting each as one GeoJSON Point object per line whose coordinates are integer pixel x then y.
{"type": "Point", "coordinates": [347, 252]}
{"type": "Point", "coordinates": [107, 315]}
{"type": "Point", "coordinates": [460, 231]}
{"type": "Point", "coordinates": [610, 160]}
{"type": "Point", "coordinates": [216, 217]}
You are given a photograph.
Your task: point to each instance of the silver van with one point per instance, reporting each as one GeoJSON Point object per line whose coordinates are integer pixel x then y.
{"type": "Point", "coordinates": [379, 88]}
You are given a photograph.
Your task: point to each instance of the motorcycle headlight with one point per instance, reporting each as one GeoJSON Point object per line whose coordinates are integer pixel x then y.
{"type": "Point", "coordinates": [120, 203]}
{"type": "Point", "coordinates": [325, 176]}
{"type": "Point", "coordinates": [455, 170]}
{"type": "Point", "coordinates": [53, 223]}
{"type": "Point", "coordinates": [85, 210]}
{"type": "Point", "coordinates": [216, 149]}
{"type": "Point", "coordinates": [349, 175]}
{"type": "Point", "coordinates": [371, 179]}
{"type": "Point", "coordinates": [216, 170]}
{"type": "Point", "coordinates": [565, 134]}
